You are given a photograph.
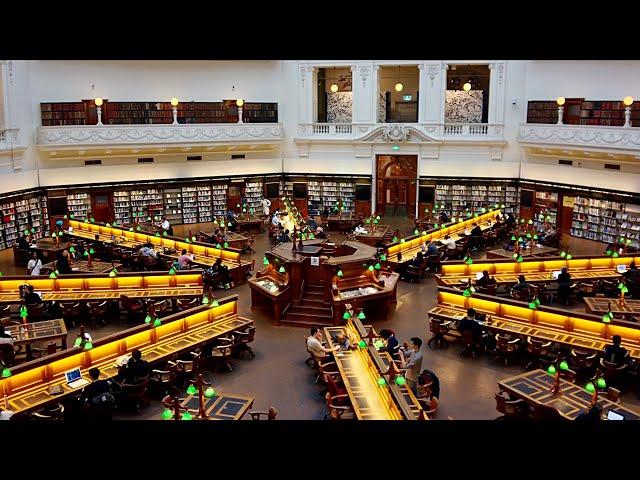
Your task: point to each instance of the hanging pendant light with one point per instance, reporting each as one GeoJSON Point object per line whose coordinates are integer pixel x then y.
{"type": "Point", "coordinates": [399, 85]}
{"type": "Point", "coordinates": [467, 86]}
{"type": "Point", "coordinates": [334, 85]}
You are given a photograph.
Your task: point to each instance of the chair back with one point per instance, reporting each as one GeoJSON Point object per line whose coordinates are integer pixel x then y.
{"type": "Point", "coordinates": [70, 309]}
{"type": "Point", "coordinates": [187, 303]}
{"type": "Point", "coordinates": [583, 359]}
{"type": "Point", "coordinates": [271, 415]}
{"type": "Point", "coordinates": [467, 338]}
{"type": "Point", "coordinates": [224, 346]}
{"type": "Point", "coordinates": [185, 366]}
{"type": "Point", "coordinates": [503, 344]}
{"type": "Point", "coordinates": [436, 326]}
{"type": "Point", "coordinates": [537, 347]}
{"type": "Point", "coordinates": [613, 394]}
{"type": "Point", "coordinates": [247, 336]}
{"type": "Point", "coordinates": [54, 414]}
{"type": "Point", "coordinates": [137, 390]}
{"type": "Point", "coordinates": [97, 308]}
{"type": "Point", "coordinates": [36, 311]}
{"type": "Point", "coordinates": [161, 376]}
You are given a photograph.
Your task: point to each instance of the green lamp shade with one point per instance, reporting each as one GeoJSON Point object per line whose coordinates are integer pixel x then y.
{"type": "Point", "coordinates": [6, 373]}
{"type": "Point", "coordinates": [368, 220]}
{"type": "Point", "coordinates": [193, 238]}
{"type": "Point", "coordinates": [311, 236]}
{"type": "Point", "coordinates": [400, 380]}
{"type": "Point", "coordinates": [443, 226]}
{"type": "Point", "coordinates": [528, 235]}
{"type": "Point", "coordinates": [469, 261]}
{"type": "Point", "coordinates": [436, 225]}
{"type": "Point", "coordinates": [569, 256]}
{"type": "Point", "coordinates": [519, 259]}
{"type": "Point", "coordinates": [187, 416]}
{"type": "Point", "coordinates": [383, 257]}
{"type": "Point", "coordinates": [215, 303]}
{"type": "Point", "coordinates": [537, 300]}
{"type": "Point", "coordinates": [621, 240]}
{"type": "Point", "coordinates": [218, 245]}
{"type": "Point", "coordinates": [590, 388]}
{"type": "Point", "coordinates": [265, 261]}
{"type": "Point", "coordinates": [225, 245]}
{"type": "Point", "coordinates": [601, 383]}
{"type": "Point", "coordinates": [340, 274]}
{"type": "Point", "coordinates": [157, 322]}
{"type": "Point", "coordinates": [238, 205]}
{"type": "Point", "coordinates": [564, 365]}
{"type": "Point", "coordinates": [466, 293]}
{"type": "Point", "coordinates": [416, 232]}
{"type": "Point", "coordinates": [513, 238]}
{"type": "Point", "coordinates": [605, 318]}
{"type": "Point", "coordinates": [205, 300]}
{"type": "Point", "coordinates": [167, 414]}
{"type": "Point", "coordinates": [563, 254]}
{"type": "Point", "coordinates": [65, 217]}
{"type": "Point", "coordinates": [394, 239]}
{"type": "Point", "coordinates": [362, 344]}
{"type": "Point", "coordinates": [361, 315]}
{"type": "Point", "coordinates": [147, 319]}
{"type": "Point", "coordinates": [131, 229]}
{"type": "Point", "coordinates": [628, 241]}
{"type": "Point", "coordinates": [78, 342]}
{"type": "Point", "coordinates": [370, 268]}
{"type": "Point", "coordinates": [186, 239]}
{"type": "Point", "coordinates": [148, 219]}
{"type": "Point", "coordinates": [135, 214]}
{"type": "Point", "coordinates": [282, 270]}
{"type": "Point", "coordinates": [522, 220]}
{"type": "Point", "coordinates": [192, 390]}
{"type": "Point", "coordinates": [209, 392]}
{"type": "Point", "coordinates": [624, 289]}
{"type": "Point", "coordinates": [426, 210]}
{"type": "Point", "coordinates": [609, 252]}
{"type": "Point", "coordinates": [86, 254]}
{"type": "Point", "coordinates": [475, 215]}
{"type": "Point", "coordinates": [346, 315]}
{"type": "Point", "coordinates": [530, 222]}
{"type": "Point", "coordinates": [483, 210]}
{"type": "Point", "coordinates": [52, 275]}
{"type": "Point", "coordinates": [172, 271]}
{"type": "Point", "coordinates": [519, 239]}
{"type": "Point", "coordinates": [551, 370]}
{"type": "Point", "coordinates": [424, 232]}
{"type": "Point", "coordinates": [138, 228]}
{"type": "Point", "coordinates": [377, 266]}
{"type": "Point", "coordinates": [72, 216]}
{"type": "Point", "coordinates": [88, 345]}
{"type": "Point", "coordinates": [382, 382]}
{"type": "Point", "coordinates": [164, 234]}
{"type": "Point", "coordinates": [92, 251]}
{"type": "Point", "coordinates": [112, 273]}
{"type": "Point", "coordinates": [535, 237]}
{"type": "Point", "coordinates": [378, 344]}
{"type": "Point", "coordinates": [222, 225]}
{"type": "Point", "coordinates": [157, 234]}
{"type": "Point", "coordinates": [615, 255]}
{"type": "Point", "coordinates": [54, 235]}
{"type": "Point", "coordinates": [26, 232]}
{"type": "Point", "coordinates": [532, 305]}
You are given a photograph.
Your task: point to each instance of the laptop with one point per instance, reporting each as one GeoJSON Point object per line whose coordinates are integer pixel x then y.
{"type": "Point", "coordinates": [74, 378]}
{"type": "Point", "coordinates": [479, 275]}
{"type": "Point", "coordinates": [612, 415]}
{"type": "Point", "coordinates": [621, 268]}
{"type": "Point", "coordinates": [555, 273]}
{"type": "Point", "coordinates": [70, 229]}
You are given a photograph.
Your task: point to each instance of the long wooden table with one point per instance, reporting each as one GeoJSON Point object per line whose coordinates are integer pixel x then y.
{"type": "Point", "coordinates": [102, 287]}
{"type": "Point", "coordinates": [36, 332]}
{"type": "Point", "coordinates": [375, 235]}
{"type": "Point", "coordinates": [226, 406]}
{"type": "Point", "coordinates": [525, 252]}
{"type": "Point", "coordinates": [578, 330]}
{"type": "Point", "coordinates": [28, 386]}
{"type": "Point", "coordinates": [411, 246]}
{"type": "Point", "coordinates": [82, 266]}
{"type": "Point", "coordinates": [234, 240]}
{"type": "Point", "coordinates": [535, 389]}
{"type": "Point", "coordinates": [250, 223]}
{"type": "Point", "coordinates": [360, 370]}
{"type": "Point", "coordinates": [600, 306]}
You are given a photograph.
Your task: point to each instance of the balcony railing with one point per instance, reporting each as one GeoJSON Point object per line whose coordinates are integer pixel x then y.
{"type": "Point", "coordinates": [60, 137]}
{"type": "Point", "coordinates": [434, 131]}
{"type": "Point", "coordinates": [580, 136]}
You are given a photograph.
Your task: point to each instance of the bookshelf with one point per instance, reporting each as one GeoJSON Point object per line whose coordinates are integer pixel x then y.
{"type": "Point", "coordinates": [287, 190]}
{"type": "Point", "coordinates": [260, 113]}
{"type": "Point", "coordinates": [542, 112]}
{"type": "Point", "coordinates": [545, 209]}
{"type": "Point", "coordinates": [189, 205]}
{"type": "Point", "coordinates": [219, 199]}
{"type": "Point", "coordinates": [201, 112]}
{"type": "Point", "coordinates": [146, 202]}
{"type": "Point", "coordinates": [44, 209]}
{"type": "Point", "coordinates": [630, 224]}
{"type": "Point", "coordinates": [457, 197]}
{"type": "Point", "coordinates": [122, 206]}
{"type": "Point", "coordinates": [596, 219]}
{"type": "Point", "coordinates": [347, 191]}
{"type": "Point", "coordinates": [582, 112]}
{"type": "Point", "coordinates": [8, 228]}
{"type": "Point", "coordinates": [79, 205]}
{"type": "Point", "coordinates": [63, 113]}
{"type": "Point", "coordinates": [253, 193]}
{"type": "Point", "coordinates": [204, 203]}
{"type": "Point", "coordinates": [314, 197]}
{"type": "Point", "coordinates": [173, 205]}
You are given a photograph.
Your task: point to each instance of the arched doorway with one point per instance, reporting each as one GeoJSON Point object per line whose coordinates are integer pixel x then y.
{"type": "Point", "coordinates": [396, 177]}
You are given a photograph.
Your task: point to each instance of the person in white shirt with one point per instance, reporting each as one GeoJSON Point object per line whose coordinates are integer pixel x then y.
{"type": "Point", "coordinates": [34, 265]}
{"type": "Point", "coordinates": [360, 230]}
{"type": "Point", "coordinates": [266, 203]}
{"type": "Point", "coordinates": [450, 243]}
{"type": "Point", "coordinates": [275, 220]}
{"type": "Point", "coordinates": [314, 344]}
{"type": "Point", "coordinates": [147, 251]}
{"type": "Point", "coordinates": [166, 226]}
{"type": "Point", "coordinates": [5, 414]}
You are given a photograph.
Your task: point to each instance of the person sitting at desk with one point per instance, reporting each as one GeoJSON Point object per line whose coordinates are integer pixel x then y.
{"type": "Point", "coordinates": [615, 353]}
{"type": "Point", "coordinates": [184, 260]}
{"type": "Point", "coordinates": [283, 236]}
{"type": "Point", "coordinates": [22, 242]}
{"type": "Point", "coordinates": [509, 219]}
{"type": "Point", "coordinates": [342, 341]}
{"type": "Point", "coordinates": [31, 297]}
{"type": "Point", "coordinates": [276, 219]}
{"type": "Point", "coordinates": [564, 285]}
{"type": "Point", "coordinates": [411, 361]}
{"type": "Point", "coordinates": [147, 251]}
{"type": "Point", "coordinates": [432, 248]}
{"type": "Point", "coordinates": [135, 369]}
{"type": "Point", "coordinates": [450, 247]}
{"type": "Point", "coordinates": [62, 264]}
{"type": "Point", "coordinates": [476, 231]}
{"type": "Point", "coordinates": [34, 265]}
{"type": "Point", "coordinates": [469, 323]}
{"type": "Point", "coordinates": [485, 280]}
{"type": "Point", "coordinates": [325, 212]}
{"type": "Point", "coordinates": [392, 345]}
{"type": "Point", "coordinates": [98, 396]}
{"type": "Point", "coordinates": [522, 284]}
{"type": "Point", "coordinates": [632, 273]}
{"type": "Point", "coordinates": [222, 271]}
{"type": "Point", "coordinates": [314, 344]}
{"type": "Point", "coordinates": [360, 230]}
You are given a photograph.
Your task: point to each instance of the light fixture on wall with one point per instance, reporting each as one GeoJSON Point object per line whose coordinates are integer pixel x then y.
{"type": "Point", "coordinates": [98, 102]}
{"type": "Point", "coordinates": [240, 103]}
{"type": "Point", "coordinates": [174, 105]}
{"type": "Point", "coordinates": [399, 85]}
{"type": "Point", "coordinates": [560, 101]}
{"type": "Point", "coordinates": [467, 86]}
{"type": "Point", "coordinates": [334, 87]}
{"type": "Point", "coordinates": [628, 101]}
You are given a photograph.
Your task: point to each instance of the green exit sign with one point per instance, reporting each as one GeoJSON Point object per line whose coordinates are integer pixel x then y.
{"type": "Point", "coordinates": [407, 98]}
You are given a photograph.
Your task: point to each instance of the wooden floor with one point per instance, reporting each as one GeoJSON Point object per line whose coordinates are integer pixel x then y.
{"type": "Point", "coordinates": [278, 375]}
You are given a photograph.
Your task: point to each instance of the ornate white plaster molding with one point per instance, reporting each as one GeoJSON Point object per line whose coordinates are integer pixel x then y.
{"type": "Point", "coordinates": [611, 138]}
{"type": "Point", "coordinates": [364, 70]}
{"type": "Point", "coordinates": [433, 71]}
{"type": "Point", "coordinates": [50, 138]}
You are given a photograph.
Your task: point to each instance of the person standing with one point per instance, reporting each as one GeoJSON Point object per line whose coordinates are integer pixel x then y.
{"type": "Point", "coordinates": [411, 361]}
{"type": "Point", "coordinates": [34, 265]}
{"type": "Point", "coordinates": [266, 203]}
{"type": "Point", "coordinates": [166, 226]}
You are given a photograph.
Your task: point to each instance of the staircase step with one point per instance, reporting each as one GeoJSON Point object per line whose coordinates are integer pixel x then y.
{"type": "Point", "coordinates": [311, 309]}
{"type": "Point", "coordinates": [313, 295]}
{"type": "Point", "coordinates": [306, 319]}
{"type": "Point", "coordinates": [312, 301]}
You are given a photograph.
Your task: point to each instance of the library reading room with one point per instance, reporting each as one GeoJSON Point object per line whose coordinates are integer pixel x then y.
{"type": "Point", "coordinates": [424, 240]}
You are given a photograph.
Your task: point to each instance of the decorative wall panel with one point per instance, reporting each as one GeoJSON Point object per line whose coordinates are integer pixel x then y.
{"type": "Point", "coordinates": [463, 107]}
{"type": "Point", "coordinates": [339, 107]}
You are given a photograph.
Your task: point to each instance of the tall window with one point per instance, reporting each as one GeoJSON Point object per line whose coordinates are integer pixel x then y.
{"type": "Point", "coordinates": [335, 95]}
{"type": "Point", "coordinates": [467, 95]}
{"type": "Point", "coordinates": [398, 94]}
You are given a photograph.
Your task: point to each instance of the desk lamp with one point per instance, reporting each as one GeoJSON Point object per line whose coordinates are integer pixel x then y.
{"type": "Point", "coordinates": [553, 370]}
{"type": "Point", "coordinates": [600, 384]}
{"type": "Point", "coordinates": [173, 402]}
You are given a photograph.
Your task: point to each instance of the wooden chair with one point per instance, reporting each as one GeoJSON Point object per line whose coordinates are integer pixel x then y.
{"type": "Point", "coordinates": [412, 273]}
{"type": "Point", "coordinates": [271, 414]}
{"type": "Point", "coordinates": [439, 328]}
{"type": "Point", "coordinates": [39, 351]}
{"type": "Point", "coordinates": [162, 307]}
{"type": "Point", "coordinates": [186, 303]}
{"type": "Point", "coordinates": [506, 347]}
{"type": "Point", "coordinates": [537, 351]}
{"type": "Point", "coordinates": [185, 371]}
{"type": "Point", "coordinates": [71, 312]}
{"type": "Point", "coordinates": [311, 360]}
{"type": "Point", "coordinates": [134, 308]}
{"type": "Point", "coordinates": [568, 375]}
{"type": "Point", "coordinates": [161, 380]}
{"type": "Point", "coordinates": [613, 371]}
{"type": "Point", "coordinates": [613, 394]}
{"type": "Point", "coordinates": [583, 361]}
{"type": "Point", "coordinates": [221, 354]}
{"type": "Point", "coordinates": [522, 295]}
{"type": "Point", "coordinates": [491, 289]}
{"type": "Point", "coordinates": [340, 412]}
{"type": "Point", "coordinates": [510, 409]}
{"type": "Point", "coordinates": [242, 339]}
{"type": "Point", "coordinates": [434, 263]}
{"type": "Point", "coordinates": [469, 344]}
{"type": "Point", "coordinates": [98, 310]}
{"type": "Point", "coordinates": [54, 413]}
{"type": "Point", "coordinates": [5, 310]}
{"type": "Point", "coordinates": [132, 395]}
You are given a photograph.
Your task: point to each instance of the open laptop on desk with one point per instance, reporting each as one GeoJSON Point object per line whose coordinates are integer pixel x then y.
{"type": "Point", "coordinates": [621, 268]}
{"type": "Point", "coordinates": [555, 274]}
{"type": "Point", "coordinates": [74, 378]}
{"type": "Point", "coordinates": [613, 415]}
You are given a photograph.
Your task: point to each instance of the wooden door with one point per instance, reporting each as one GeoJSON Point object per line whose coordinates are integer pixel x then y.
{"type": "Point", "coordinates": [234, 198]}
{"type": "Point", "coordinates": [102, 206]}
{"type": "Point", "coordinates": [396, 184]}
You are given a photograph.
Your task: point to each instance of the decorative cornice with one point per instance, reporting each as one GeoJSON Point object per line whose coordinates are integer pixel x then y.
{"type": "Point", "coordinates": [72, 136]}
{"type": "Point", "coordinates": [612, 138]}
{"type": "Point", "coordinates": [396, 133]}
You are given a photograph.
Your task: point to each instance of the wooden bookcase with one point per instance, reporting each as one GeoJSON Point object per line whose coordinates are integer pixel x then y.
{"type": "Point", "coordinates": [578, 111]}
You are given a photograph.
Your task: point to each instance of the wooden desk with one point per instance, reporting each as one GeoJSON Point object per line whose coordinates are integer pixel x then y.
{"type": "Point", "coordinates": [411, 246]}
{"type": "Point", "coordinates": [341, 222]}
{"type": "Point", "coordinates": [28, 387]}
{"type": "Point", "coordinates": [118, 240]}
{"type": "Point", "coordinates": [227, 406]}
{"type": "Point", "coordinates": [270, 288]}
{"type": "Point", "coordinates": [600, 306]}
{"type": "Point", "coordinates": [45, 331]}
{"type": "Point", "coordinates": [82, 266]}
{"type": "Point", "coordinates": [535, 388]}
{"type": "Point", "coordinates": [512, 278]}
{"type": "Point", "coordinates": [375, 235]}
{"type": "Point", "coordinates": [250, 223]}
{"type": "Point", "coordinates": [234, 240]}
{"type": "Point", "coordinates": [525, 253]}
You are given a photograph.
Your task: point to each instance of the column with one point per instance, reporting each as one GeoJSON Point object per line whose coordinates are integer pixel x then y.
{"type": "Point", "coordinates": [375, 93]}
{"type": "Point", "coordinates": [422, 90]}
{"type": "Point", "coordinates": [362, 84]}
{"type": "Point", "coordinates": [302, 93]}
{"type": "Point", "coordinates": [432, 81]}
{"type": "Point", "coordinates": [311, 97]}
{"type": "Point", "coordinates": [497, 92]}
